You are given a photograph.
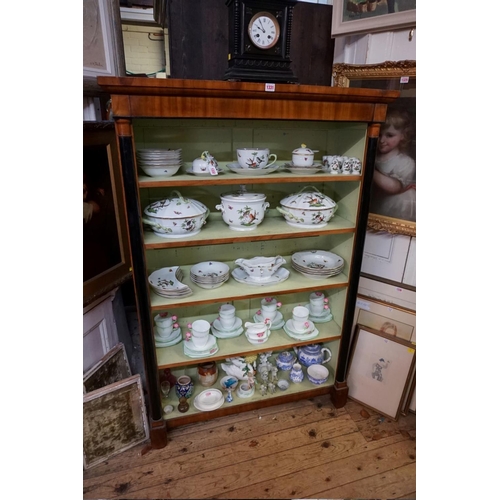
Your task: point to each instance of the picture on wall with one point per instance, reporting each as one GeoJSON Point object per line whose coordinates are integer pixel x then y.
{"type": "Point", "coordinates": [393, 202]}
{"type": "Point", "coordinates": [355, 17]}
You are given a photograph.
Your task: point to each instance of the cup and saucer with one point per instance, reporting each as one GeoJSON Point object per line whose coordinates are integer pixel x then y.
{"type": "Point", "coordinates": [324, 317]}
{"type": "Point", "coordinates": [308, 333]}
{"type": "Point", "coordinates": [173, 338]}
{"type": "Point", "coordinates": [276, 324]}
{"type": "Point", "coordinates": [208, 349]}
{"type": "Point", "coordinates": [226, 333]}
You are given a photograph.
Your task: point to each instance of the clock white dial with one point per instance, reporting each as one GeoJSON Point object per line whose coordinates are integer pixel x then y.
{"type": "Point", "coordinates": [264, 30]}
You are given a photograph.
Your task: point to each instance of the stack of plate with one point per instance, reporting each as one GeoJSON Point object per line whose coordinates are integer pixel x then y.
{"type": "Point", "coordinates": [317, 264]}
{"type": "Point", "coordinates": [159, 162]}
{"type": "Point", "coordinates": [209, 400]}
{"type": "Point", "coordinates": [166, 282]}
{"type": "Point", "coordinates": [210, 274]}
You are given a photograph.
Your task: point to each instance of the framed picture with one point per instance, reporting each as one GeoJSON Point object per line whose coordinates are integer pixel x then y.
{"type": "Point", "coordinates": [106, 254]}
{"type": "Point", "coordinates": [387, 318]}
{"type": "Point", "coordinates": [103, 51]}
{"type": "Point", "coordinates": [393, 205]}
{"type": "Point", "coordinates": [114, 420]}
{"type": "Point", "coordinates": [357, 17]}
{"type": "Point", "coordinates": [379, 370]}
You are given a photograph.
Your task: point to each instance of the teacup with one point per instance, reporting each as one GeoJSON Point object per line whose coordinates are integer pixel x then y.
{"type": "Point", "coordinates": [200, 341]}
{"type": "Point", "coordinates": [355, 166]}
{"type": "Point", "coordinates": [227, 315]}
{"type": "Point", "coordinates": [269, 308]}
{"type": "Point", "coordinates": [255, 158]}
{"type": "Point", "coordinates": [200, 328]}
{"type": "Point", "coordinates": [164, 320]}
{"type": "Point", "coordinates": [317, 303]}
{"type": "Point", "coordinates": [346, 165]}
{"type": "Point", "coordinates": [165, 332]}
{"type": "Point", "coordinates": [300, 315]}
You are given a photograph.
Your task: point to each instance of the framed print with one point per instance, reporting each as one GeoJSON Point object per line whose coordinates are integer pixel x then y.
{"type": "Point", "coordinates": [103, 51]}
{"type": "Point", "coordinates": [379, 370]}
{"type": "Point", "coordinates": [106, 254]}
{"type": "Point", "coordinates": [357, 17]}
{"type": "Point", "coordinates": [393, 206]}
{"type": "Point", "coordinates": [387, 318]}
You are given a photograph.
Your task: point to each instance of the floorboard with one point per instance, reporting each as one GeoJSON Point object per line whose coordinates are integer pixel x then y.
{"type": "Point", "coordinates": [304, 449]}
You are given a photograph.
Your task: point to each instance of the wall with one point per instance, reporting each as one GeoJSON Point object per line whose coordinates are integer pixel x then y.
{"type": "Point", "coordinates": [145, 49]}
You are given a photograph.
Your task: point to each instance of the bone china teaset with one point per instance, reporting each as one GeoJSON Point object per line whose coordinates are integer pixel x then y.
{"type": "Point", "coordinates": [250, 161]}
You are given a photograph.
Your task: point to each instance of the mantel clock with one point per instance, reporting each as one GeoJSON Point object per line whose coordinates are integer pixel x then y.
{"type": "Point", "coordinates": [259, 41]}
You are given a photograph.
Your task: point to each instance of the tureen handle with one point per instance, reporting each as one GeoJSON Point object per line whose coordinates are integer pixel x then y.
{"type": "Point", "coordinates": [178, 195]}
{"type": "Point", "coordinates": [310, 187]}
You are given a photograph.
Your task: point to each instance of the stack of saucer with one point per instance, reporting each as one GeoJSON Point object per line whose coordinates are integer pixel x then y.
{"type": "Point", "coordinates": [309, 332]}
{"type": "Point", "coordinates": [209, 400]}
{"type": "Point", "coordinates": [317, 264]}
{"type": "Point", "coordinates": [227, 333]}
{"type": "Point", "coordinates": [210, 274]}
{"type": "Point", "coordinates": [209, 349]}
{"type": "Point", "coordinates": [166, 283]}
{"type": "Point", "coordinates": [300, 327]}
{"type": "Point", "coordinates": [324, 317]}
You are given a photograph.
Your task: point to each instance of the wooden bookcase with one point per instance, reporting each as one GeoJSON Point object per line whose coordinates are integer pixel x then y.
{"type": "Point", "coordinates": [197, 115]}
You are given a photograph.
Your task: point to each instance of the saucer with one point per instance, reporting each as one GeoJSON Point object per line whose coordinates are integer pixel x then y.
{"type": "Point", "coordinates": [218, 325]}
{"type": "Point", "coordinates": [209, 400]}
{"type": "Point", "coordinates": [289, 326]}
{"type": "Point", "coordinates": [277, 323]}
{"type": "Point", "coordinates": [190, 347]}
{"type": "Point", "coordinates": [237, 169]}
{"type": "Point", "coordinates": [226, 335]}
{"type": "Point", "coordinates": [311, 335]}
{"type": "Point", "coordinates": [168, 338]}
{"type": "Point", "coordinates": [174, 341]}
{"type": "Point", "coordinates": [200, 354]}
{"type": "Point", "coordinates": [242, 277]}
{"type": "Point", "coordinates": [190, 171]}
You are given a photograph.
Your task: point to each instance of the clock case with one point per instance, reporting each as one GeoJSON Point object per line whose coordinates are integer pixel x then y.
{"type": "Point", "coordinates": [248, 63]}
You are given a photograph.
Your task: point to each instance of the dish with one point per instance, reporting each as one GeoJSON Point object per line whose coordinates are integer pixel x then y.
{"type": "Point", "coordinates": [242, 277]}
{"type": "Point", "coordinates": [209, 400]}
{"type": "Point", "coordinates": [235, 167]}
{"type": "Point", "coordinates": [190, 171]}
{"type": "Point", "coordinates": [294, 169]}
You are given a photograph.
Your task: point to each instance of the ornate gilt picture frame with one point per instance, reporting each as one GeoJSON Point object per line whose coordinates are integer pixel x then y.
{"type": "Point", "coordinates": [394, 75]}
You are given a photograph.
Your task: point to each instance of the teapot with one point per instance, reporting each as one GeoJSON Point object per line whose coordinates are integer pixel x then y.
{"type": "Point", "coordinates": [313, 354]}
{"type": "Point", "coordinates": [285, 360]}
{"type": "Point", "coordinates": [261, 267]}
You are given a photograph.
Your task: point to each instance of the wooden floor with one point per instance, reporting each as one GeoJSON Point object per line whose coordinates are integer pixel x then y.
{"type": "Point", "coordinates": [305, 449]}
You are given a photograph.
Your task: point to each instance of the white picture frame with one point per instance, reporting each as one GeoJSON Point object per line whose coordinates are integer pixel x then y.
{"type": "Point", "coordinates": [103, 51]}
{"type": "Point", "coordinates": [369, 22]}
{"type": "Point", "coordinates": [379, 371]}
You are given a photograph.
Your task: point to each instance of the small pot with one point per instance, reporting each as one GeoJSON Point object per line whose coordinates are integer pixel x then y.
{"type": "Point", "coordinates": [176, 217]}
{"type": "Point", "coordinates": [307, 208]}
{"type": "Point", "coordinates": [303, 156]}
{"type": "Point", "coordinates": [243, 211]}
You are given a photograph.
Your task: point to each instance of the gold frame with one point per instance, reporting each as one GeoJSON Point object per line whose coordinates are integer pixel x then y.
{"type": "Point", "coordinates": [342, 75]}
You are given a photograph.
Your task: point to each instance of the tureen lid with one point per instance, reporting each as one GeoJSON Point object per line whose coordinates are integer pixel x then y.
{"type": "Point", "coordinates": [303, 150]}
{"type": "Point", "coordinates": [312, 199]}
{"type": "Point", "coordinates": [243, 196]}
{"type": "Point", "coordinates": [175, 207]}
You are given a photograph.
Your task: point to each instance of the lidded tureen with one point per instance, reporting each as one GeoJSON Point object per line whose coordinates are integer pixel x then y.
{"type": "Point", "coordinates": [176, 216]}
{"type": "Point", "coordinates": [307, 208]}
{"type": "Point", "coordinates": [303, 156]}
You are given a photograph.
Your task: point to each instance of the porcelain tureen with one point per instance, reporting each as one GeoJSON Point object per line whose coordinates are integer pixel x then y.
{"type": "Point", "coordinates": [176, 216]}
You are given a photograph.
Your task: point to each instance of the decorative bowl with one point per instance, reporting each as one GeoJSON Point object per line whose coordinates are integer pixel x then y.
{"type": "Point", "coordinates": [317, 374]}
{"type": "Point", "coordinates": [176, 217]}
{"type": "Point", "coordinates": [164, 171]}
